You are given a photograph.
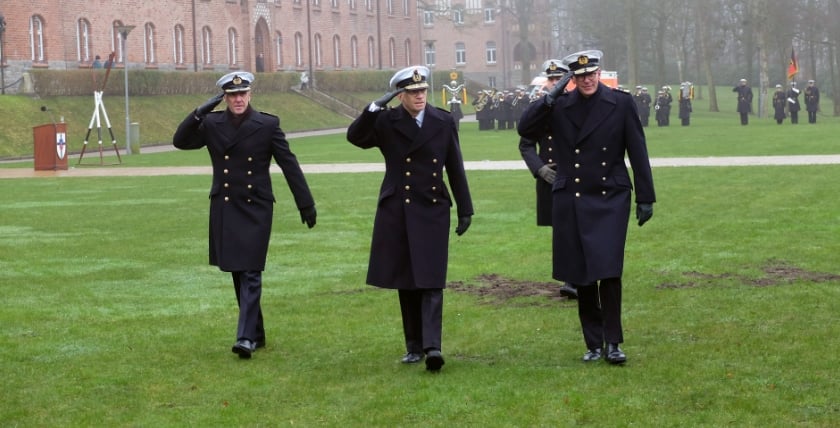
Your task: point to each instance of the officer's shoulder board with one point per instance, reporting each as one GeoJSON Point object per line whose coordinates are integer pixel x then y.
{"type": "Point", "coordinates": [622, 90]}
{"type": "Point", "coordinates": [442, 109]}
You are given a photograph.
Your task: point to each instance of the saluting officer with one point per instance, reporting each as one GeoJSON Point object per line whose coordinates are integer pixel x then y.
{"type": "Point", "coordinates": [592, 128]}
{"type": "Point", "coordinates": [410, 245]}
{"type": "Point", "coordinates": [241, 142]}
{"type": "Point", "coordinates": [538, 156]}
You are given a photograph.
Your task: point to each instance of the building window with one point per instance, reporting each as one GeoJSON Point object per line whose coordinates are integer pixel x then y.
{"type": "Point", "coordinates": [473, 6]}
{"type": "Point", "coordinates": [491, 52]}
{"type": "Point", "coordinates": [390, 6]}
{"type": "Point", "coordinates": [336, 51]}
{"type": "Point", "coordinates": [278, 49]}
{"type": "Point", "coordinates": [149, 43]}
{"type": "Point", "coordinates": [36, 38]}
{"type": "Point", "coordinates": [232, 51]}
{"type": "Point", "coordinates": [430, 54]}
{"type": "Point", "coordinates": [406, 8]}
{"type": "Point", "coordinates": [206, 46]}
{"type": "Point", "coordinates": [371, 52]}
{"type": "Point", "coordinates": [298, 49]}
{"type": "Point", "coordinates": [428, 18]}
{"type": "Point", "coordinates": [489, 15]}
{"type": "Point", "coordinates": [352, 4]}
{"type": "Point", "coordinates": [392, 53]}
{"type": "Point", "coordinates": [116, 42]}
{"type": "Point", "coordinates": [318, 62]}
{"type": "Point", "coordinates": [178, 44]}
{"type": "Point", "coordinates": [458, 16]}
{"type": "Point", "coordinates": [460, 53]}
{"type": "Point", "coordinates": [83, 40]}
{"type": "Point", "coordinates": [369, 5]}
{"type": "Point", "coordinates": [354, 52]}
{"type": "Point", "coordinates": [407, 46]}
{"type": "Point", "coordinates": [334, 4]}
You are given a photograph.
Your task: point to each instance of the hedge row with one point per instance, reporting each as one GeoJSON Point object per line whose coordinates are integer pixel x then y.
{"type": "Point", "coordinates": [51, 83]}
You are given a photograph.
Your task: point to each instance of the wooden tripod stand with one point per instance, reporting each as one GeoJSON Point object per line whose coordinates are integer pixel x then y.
{"type": "Point", "coordinates": [95, 118]}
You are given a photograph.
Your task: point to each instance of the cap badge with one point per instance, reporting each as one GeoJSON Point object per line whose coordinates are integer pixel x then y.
{"type": "Point", "coordinates": [583, 60]}
{"type": "Point", "coordinates": [552, 66]}
{"type": "Point", "coordinates": [237, 80]}
{"type": "Point", "coordinates": [416, 77]}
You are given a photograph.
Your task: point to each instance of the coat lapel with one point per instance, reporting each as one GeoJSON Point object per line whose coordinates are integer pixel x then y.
{"type": "Point", "coordinates": [602, 106]}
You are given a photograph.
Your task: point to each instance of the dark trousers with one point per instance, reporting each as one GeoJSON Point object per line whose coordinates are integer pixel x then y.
{"type": "Point", "coordinates": [422, 317]}
{"type": "Point", "coordinates": [745, 119]}
{"type": "Point", "coordinates": [812, 117]}
{"type": "Point", "coordinates": [599, 310]}
{"type": "Point", "coordinates": [248, 287]}
{"type": "Point", "coordinates": [794, 117]}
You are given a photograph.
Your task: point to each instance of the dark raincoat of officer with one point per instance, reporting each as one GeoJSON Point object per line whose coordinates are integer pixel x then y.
{"type": "Point", "coordinates": [409, 249]}
{"type": "Point", "coordinates": [593, 127]}
{"type": "Point", "coordinates": [242, 143]}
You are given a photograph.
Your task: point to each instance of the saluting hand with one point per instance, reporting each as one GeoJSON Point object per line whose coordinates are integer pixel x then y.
{"type": "Point", "coordinates": [208, 106]}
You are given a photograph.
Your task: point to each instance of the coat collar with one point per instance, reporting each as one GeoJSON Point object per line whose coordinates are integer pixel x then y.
{"type": "Point", "coordinates": [587, 118]}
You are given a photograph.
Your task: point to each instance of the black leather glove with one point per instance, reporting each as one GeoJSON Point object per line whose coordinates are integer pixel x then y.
{"type": "Point", "coordinates": [643, 213]}
{"type": "Point", "coordinates": [547, 172]}
{"type": "Point", "coordinates": [558, 89]}
{"type": "Point", "coordinates": [383, 100]}
{"type": "Point", "coordinates": [208, 106]}
{"type": "Point", "coordinates": [307, 216]}
{"type": "Point", "coordinates": [463, 225]}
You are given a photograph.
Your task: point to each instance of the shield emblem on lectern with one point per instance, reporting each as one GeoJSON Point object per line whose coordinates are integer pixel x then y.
{"type": "Point", "coordinates": [60, 144]}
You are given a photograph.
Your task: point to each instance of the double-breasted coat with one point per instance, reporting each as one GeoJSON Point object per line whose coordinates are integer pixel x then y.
{"type": "Point", "coordinates": [536, 154]}
{"type": "Point", "coordinates": [592, 190]}
{"type": "Point", "coordinates": [410, 243]}
{"type": "Point", "coordinates": [241, 195]}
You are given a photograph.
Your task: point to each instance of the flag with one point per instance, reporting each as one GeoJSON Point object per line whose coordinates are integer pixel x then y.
{"type": "Point", "coordinates": [793, 65]}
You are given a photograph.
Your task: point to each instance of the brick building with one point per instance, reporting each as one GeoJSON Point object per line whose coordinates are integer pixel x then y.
{"type": "Point", "coordinates": [475, 37]}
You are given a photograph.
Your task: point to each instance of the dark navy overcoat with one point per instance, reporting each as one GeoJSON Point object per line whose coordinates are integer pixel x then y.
{"type": "Point", "coordinates": [241, 195]}
{"type": "Point", "coordinates": [410, 243]}
{"type": "Point", "coordinates": [592, 191]}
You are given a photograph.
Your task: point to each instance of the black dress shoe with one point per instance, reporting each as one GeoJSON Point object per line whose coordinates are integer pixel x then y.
{"type": "Point", "coordinates": [259, 344]}
{"type": "Point", "coordinates": [434, 360]}
{"type": "Point", "coordinates": [592, 355]}
{"type": "Point", "coordinates": [412, 358]}
{"type": "Point", "coordinates": [568, 291]}
{"type": "Point", "coordinates": [614, 354]}
{"type": "Point", "coordinates": [244, 348]}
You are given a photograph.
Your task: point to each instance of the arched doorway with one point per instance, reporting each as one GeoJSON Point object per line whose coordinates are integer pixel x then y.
{"type": "Point", "coordinates": [262, 47]}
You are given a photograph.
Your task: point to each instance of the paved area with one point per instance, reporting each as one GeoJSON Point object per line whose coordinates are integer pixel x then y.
{"type": "Point", "coordinates": [110, 171]}
{"type": "Point", "coordinates": [118, 170]}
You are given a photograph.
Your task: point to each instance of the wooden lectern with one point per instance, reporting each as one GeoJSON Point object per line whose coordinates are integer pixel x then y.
{"type": "Point", "coordinates": [50, 146]}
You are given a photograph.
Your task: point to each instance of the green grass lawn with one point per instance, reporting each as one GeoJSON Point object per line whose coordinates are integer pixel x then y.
{"type": "Point", "coordinates": [111, 316]}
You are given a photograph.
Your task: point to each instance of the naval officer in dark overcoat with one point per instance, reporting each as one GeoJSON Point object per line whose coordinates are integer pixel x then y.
{"type": "Point", "coordinates": [592, 128]}
{"type": "Point", "coordinates": [242, 143]}
{"type": "Point", "coordinates": [410, 244]}
{"type": "Point", "coordinates": [538, 155]}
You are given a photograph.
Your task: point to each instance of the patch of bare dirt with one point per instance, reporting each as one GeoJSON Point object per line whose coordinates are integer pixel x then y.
{"type": "Point", "coordinates": [776, 273]}
{"type": "Point", "coordinates": [493, 288]}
